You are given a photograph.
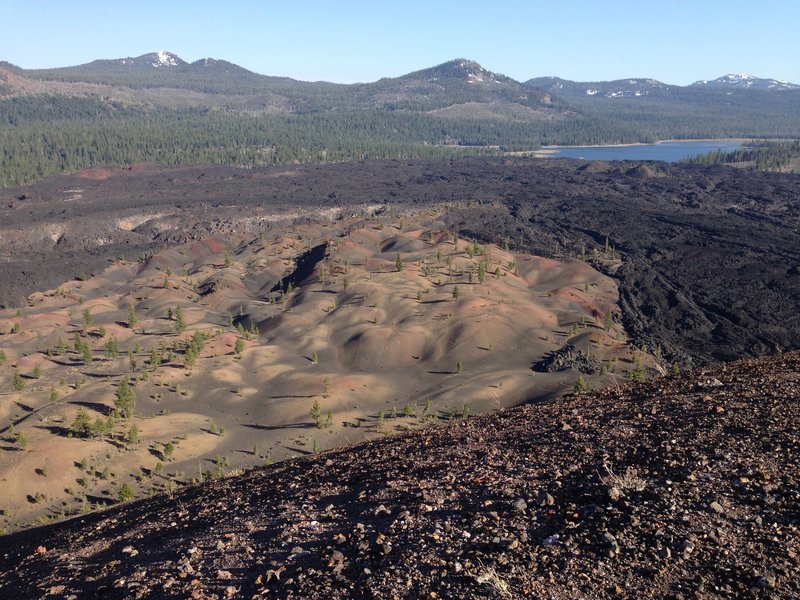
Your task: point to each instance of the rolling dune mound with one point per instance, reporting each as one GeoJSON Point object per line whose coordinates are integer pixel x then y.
{"type": "Point", "coordinates": [257, 349]}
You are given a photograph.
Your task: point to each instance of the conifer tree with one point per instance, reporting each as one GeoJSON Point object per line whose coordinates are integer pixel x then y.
{"type": "Point", "coordinates": [86, 353]}
{"type": "Point", "coordinates": [132, 435]}
{"type": "Point", "coordinates": [155, 358]}
{"type": "Point", "coordinates": [82, 425]}
{"type": "Point", "coordinates": [125, 493]}
{"type": "Point", "coordinates": [180, 322]}
{"type": "Point", "coordinates": [131, 315]}
{"type": "Point", "coordinates": [316, 414]}
{"type": "Point", "coordinates": [87, 319]}
{"type": "Point", "coordinates": [124, 399]}
{"type": "Point", "coordinates": [190, 358]}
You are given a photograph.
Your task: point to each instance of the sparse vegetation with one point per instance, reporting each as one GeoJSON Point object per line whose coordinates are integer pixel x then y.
{"type": "Point", "coordinates": [628, 482]}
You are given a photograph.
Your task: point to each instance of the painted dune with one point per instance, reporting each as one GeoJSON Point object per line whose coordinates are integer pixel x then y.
{"type": "Point", "coordinates": [385, 324]}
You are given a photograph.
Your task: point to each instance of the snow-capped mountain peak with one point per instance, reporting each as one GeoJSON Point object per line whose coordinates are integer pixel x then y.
{"type": "Point", "coordinates": [745, 81]}
{"type": "Point", "coordinates": [156, 60]}
{"type": "Point", "coordinates": [460, 69]}
{"type": "Point", "coordinates": [474, 72]}
{"type": "Point", "coordinates": [162, 58]}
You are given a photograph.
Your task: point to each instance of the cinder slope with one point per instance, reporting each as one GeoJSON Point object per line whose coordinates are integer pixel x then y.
{"type": "Point", "coordinates": [682, 487]}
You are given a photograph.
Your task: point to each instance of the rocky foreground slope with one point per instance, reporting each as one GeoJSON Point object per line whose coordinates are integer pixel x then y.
{"type": "Point", "coordinates": [683, 487]}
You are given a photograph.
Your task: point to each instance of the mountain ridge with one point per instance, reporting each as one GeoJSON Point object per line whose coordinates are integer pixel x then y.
{"type": "Point", "coordinates": [164, 58]}
{"type": "Point", "coordinates": [643, 86]}
{"type": "Point", "coordinates": [159, 107]}
{"type": "Point", "coordinates": [746, 81]}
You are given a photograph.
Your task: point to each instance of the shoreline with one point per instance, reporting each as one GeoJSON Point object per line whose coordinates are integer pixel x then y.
{"type": "Point", "coordinates": [554, 151]}
{"type": "Point", "coordinates": [555, 148]}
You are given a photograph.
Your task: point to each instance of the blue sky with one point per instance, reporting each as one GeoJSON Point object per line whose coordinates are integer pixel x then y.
{"type": "Point", "coordinates": [677, 41]}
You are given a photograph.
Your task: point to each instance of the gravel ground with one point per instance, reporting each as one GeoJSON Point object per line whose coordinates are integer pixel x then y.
{"type": "Point", "coordinates": [681, 487]}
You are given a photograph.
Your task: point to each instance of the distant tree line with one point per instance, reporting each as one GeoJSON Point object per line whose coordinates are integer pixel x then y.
{"type": "Point", "coordinates": [762, 155]}
{"type": "Point", "coordinates": [42, 136]}
{"type": "Point", "coordinates": [46, 135]}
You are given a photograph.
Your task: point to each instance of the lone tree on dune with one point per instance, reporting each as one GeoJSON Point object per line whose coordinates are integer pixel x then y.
{"type": "Point", "coordinates": [316, 413]}
{"type": "Point", "coordinates": [180, 322]}
{"type": "Point", "coordinates": [581, 385]}
{"type": "Point", "coordinates": [125, 493]}
{"type": "Point", "coordinates": [124, 399]}
{"type": "Point", "coordinates": [132, 435]}
{"type": "Point", "coordinates": [131, 316]}
{"type": "Point", "coordinates": [19, 383]}
{"type": "Point", "coordinates": [86, 353]}
{"type": "Point", "coordinates": [82, 425]}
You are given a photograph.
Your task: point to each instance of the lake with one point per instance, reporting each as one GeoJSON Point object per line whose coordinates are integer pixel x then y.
{"type": "Point", "coordinates": [666, 151]}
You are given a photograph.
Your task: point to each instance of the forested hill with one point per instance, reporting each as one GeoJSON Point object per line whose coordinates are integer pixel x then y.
{"type": "Point", "coordinates": [160, 108]}
{"type": "Point", "coordinates": [658, 110]}
{"type": "Point", "coordinates": [167, 70]}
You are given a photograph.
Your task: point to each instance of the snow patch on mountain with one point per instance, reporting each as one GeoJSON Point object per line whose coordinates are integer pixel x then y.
{"type": "Point", "coordinates": [164, 59]}
{"type": "Point", "coordinates": [745, 81]}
